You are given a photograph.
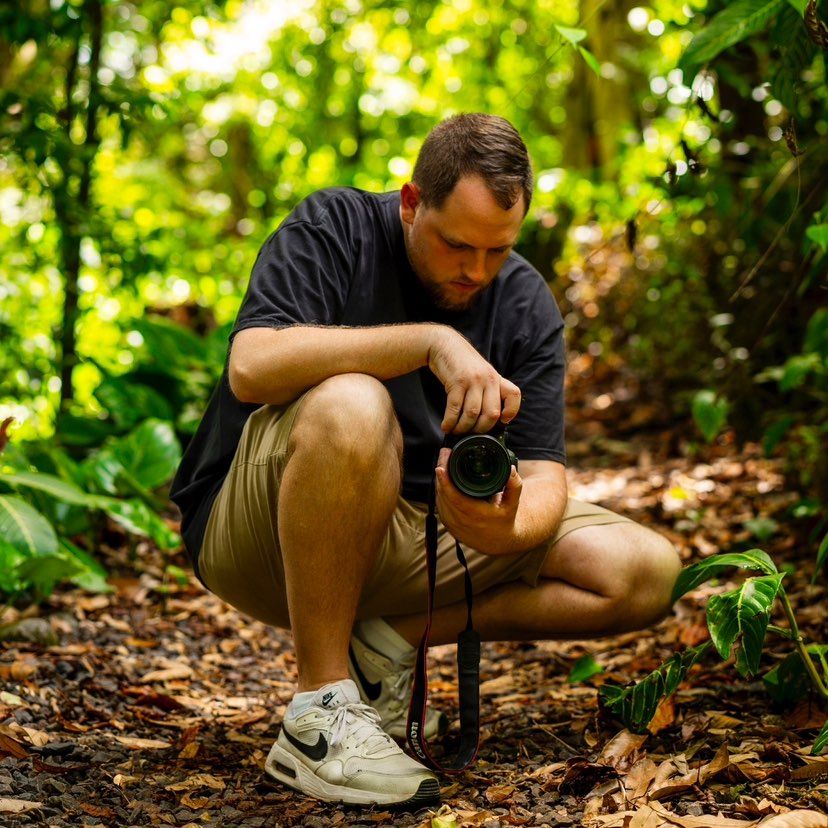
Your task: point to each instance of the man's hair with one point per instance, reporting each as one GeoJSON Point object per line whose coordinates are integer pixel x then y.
{"type": "Point", "coordinates": [474, 144]}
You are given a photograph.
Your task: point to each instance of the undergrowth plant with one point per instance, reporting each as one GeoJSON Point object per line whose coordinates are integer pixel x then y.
{"type": "Point", "coordinates": [738, 621]}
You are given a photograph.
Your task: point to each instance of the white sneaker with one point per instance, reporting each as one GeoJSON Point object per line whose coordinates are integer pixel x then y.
{"type": "Point", "coordinates": [386, 685]}
{"type": "Point", "coordinates": [336, 751]}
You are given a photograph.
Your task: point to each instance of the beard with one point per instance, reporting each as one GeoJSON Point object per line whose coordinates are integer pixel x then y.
{"type": "Point", "coordinates": [437, 291]}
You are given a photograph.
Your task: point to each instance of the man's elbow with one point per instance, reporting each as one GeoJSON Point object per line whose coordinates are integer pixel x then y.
{"type": "Point", "coordinates": [240, 382]}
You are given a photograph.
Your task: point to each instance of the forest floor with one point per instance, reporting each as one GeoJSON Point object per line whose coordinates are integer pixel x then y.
{"type": "Point", "coordinates": [156, 704]}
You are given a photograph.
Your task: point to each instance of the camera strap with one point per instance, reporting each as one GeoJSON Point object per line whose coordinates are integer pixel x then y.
{"type": "Point", "coordinates": [468, 667]}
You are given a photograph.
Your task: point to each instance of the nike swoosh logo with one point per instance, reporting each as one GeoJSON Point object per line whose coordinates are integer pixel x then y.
{"type": "Point", "coordinates": [316, 752]}
{"type": "Point", "coordinates": [372, 688]}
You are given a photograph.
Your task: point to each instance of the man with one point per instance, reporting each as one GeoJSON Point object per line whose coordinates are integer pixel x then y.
{"type": "Point", "coordinates": [374, 325]}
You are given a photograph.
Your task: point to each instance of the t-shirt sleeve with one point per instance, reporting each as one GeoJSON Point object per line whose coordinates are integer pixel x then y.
{"type": "Point", "coordinates": [539, 366]}
{"type": "Point", "coordinates": [301, 277]}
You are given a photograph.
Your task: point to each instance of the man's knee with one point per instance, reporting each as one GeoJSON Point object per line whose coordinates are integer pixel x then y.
{"type": "Point", "coordinates": [652, 574]}
{"type": "Point", "coordinates": [351, 414]}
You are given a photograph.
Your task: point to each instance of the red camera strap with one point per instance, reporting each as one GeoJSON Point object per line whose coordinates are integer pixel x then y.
{"type": "Point", "coordinates": [468, 667]}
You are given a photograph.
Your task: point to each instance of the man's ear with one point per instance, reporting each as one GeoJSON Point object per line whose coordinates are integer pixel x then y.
{"type": "Point", "coordinates": [409, 201]}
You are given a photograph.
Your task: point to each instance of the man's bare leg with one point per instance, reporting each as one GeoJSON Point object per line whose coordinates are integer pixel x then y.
{"type": "Point", "coordinates": [597, 580]}
{"type": "Point", "coordinates": [337, 495]}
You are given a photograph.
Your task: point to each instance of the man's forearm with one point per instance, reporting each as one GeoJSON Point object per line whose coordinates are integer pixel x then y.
{"type": "Point", "coordinates": [275, 366]}
{"type": "Point", "coordinates": [539, 513]}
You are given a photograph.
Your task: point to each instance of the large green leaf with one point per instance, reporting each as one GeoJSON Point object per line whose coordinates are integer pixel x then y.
{"type": "Point", "coordinates": [789, 681]}
{"type": "Point", "coordinates": [168, 344]}
{"type": "Point", "coordinates": [136, 517]}
{"type": "Point", "coordinates": [10, 557]}
{"type": "Point", "coordinates": [797, 54]}
{"type": "Point", "coordinates": [54, 486]}
{"type": "Point", "coordinates": [25, 528]}
{"type": "Point", "coordinates": [710, 567]}
{"type": "Point", "coordinates": [740, 618]}
{"type": "Point", "coordinates": [736, 22]}
{"type": "Point", "coordinates": [91, 576]}
{"type": "Point", "coordinates": [636, 705]}
{"type": "Point", "coordinates": [45, 571]}
{"type": "Point", "coordinates": [129, 402]}
{"type": "Point", "coordinates": [150, 454]}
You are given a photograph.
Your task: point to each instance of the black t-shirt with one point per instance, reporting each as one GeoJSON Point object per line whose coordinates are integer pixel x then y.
{"type": "Point", "coordinates": [340, 259]}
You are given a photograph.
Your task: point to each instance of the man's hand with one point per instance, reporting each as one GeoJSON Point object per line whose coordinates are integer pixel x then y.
{"type": "Point", "coordinates": [477, 396]}
{"type": "Point", "coordinates": [485, 525]}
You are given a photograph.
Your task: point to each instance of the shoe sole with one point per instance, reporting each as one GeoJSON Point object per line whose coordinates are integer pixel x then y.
{"type": "Point", "coordinates": [287, 769]}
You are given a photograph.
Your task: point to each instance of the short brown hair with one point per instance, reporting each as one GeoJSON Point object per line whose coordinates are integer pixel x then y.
{"type": "Point", "coordinates": [474, 144]}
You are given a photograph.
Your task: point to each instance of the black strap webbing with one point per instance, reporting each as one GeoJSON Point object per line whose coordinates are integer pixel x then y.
{"type": "Point", "coordinates": [468, 667]}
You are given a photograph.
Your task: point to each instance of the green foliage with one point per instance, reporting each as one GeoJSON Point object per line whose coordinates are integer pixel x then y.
{"type": "Point", "coordinates": [709, 413]}
{"type": "Point", "coordinates": [584, 668]}
{"type": "Point", "coordinates": [821, 741]}
{"type": "Point", "coordinates": [636, 705]}
{"type": "Point", "coordinates": [738, 622]}
{"type": "Point", "coordinates": [822, 558]}
{"type": "Point", "coordinates": [739, 619]}
{"type": "Point", "coordinates": [737, 22]}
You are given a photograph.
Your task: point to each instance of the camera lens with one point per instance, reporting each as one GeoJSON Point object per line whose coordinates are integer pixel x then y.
{"type": "Point", "coordinates": [479, 466]}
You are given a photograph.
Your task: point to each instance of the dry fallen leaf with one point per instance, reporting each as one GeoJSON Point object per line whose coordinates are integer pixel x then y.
{"type": "Point", "coordinates": [17, 806]}
{"type": "Point", "coordinates": [177, 672]}
{"type": "Point", "coordinates": [198, 780]}
{"type": "Point", "coordinates": [142, 744]}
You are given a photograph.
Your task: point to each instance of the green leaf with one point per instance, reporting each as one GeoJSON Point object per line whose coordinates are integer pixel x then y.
{"type": "Point", "coordinates": [584, 668]}
{"type": "Point", "coordinates": [574, 36]}
{"type": "Point", "coordinates": [710, 567]}
{"type": "Point", "coordinates": [150, 454]}
{"type": "Point", "coordinates": [818, 233]}
{"type": "Point", "coordinates": [797, 369]}
{"type": "Point", "coordinates": [774, 433]}
{"type": "Point", "coordinates": [797, 54]}
{"type": "Point", "coordinates": [822, 558]}
{"type": "Point", "coordinates": [736, 22]}
{"type": "Point", "coordinates": [130, 402]}
{"type": "Point", "coordinates": [740, 618]}
{"type": "Point", "coordinates": [82, 431]}
{"type": "Point", "coordinates": [762, 527]}
{"type": "Point", "coordinates": [44, 572]}
{"type": "Point", "coordinates": [591, 60]}
{"type": "Point", "coordinates": [135, 517]}
{"type": "Point", "coordinates": [799, 5]}
{"type": "Point", "coordinates": [54, 486]}
{"type": "Point", "coordinates": [788, 681]}
{"type": "Point", "coordinates": [636, 705]}
{"type": "Point", "coordinates": [821, 740]}
{"type": "Point", "coordinates": [709, 413]}
{"type": "Point", "coordinates": [25, 528]}
{"type": "Point", "coordinates": [92, 576]}
{"type": "Point", "coordinates": [816, 334]}
{"type": "Point", "coordinates": [10, 557]}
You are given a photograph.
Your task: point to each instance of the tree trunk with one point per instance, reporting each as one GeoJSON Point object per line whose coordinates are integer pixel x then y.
{"type": "Point", "coordinates": [73, 211]}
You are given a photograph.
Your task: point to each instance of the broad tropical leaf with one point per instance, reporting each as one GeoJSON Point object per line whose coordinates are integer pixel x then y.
{"type": "Point", "coordinates": [136, 518]}
{"type": "Point", "coordinates": [92, 576]}
{"type": "Point", "coordinates": [709, 568]}
{"type": "Point", "coordinates": [741, 618]}
{"type": "Point", "coordinates": [788, 681]}
{"type": "Point", "coordinates": [25, 528]}
{"type": "Point", "coordinates": [45, 571]}
{"type": "Point", "coordinates": [736, 22]}
{"type": "Point", "coordinates": [49, 483]}
{"type": "Point", "coordinates": [150, 454]}
{"type": "Point", "coordinates": [636, 705]}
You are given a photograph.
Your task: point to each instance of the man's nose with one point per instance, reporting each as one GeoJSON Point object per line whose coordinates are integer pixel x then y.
{"type": "Point", "coordinates": [475, 266]}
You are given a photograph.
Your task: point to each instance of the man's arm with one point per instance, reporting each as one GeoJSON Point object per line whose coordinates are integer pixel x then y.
{"type": "Point", "coordinates": [275, 366]}
{"type": "Point", "coordinates": [523, 516]}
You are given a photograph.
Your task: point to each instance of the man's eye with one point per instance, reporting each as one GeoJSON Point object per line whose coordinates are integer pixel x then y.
{"type": "Point", "coordinates": [454, 246]}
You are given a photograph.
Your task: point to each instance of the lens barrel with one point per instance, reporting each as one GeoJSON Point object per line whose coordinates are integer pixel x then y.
{"type": "Point", "coordinates": [480, 465]}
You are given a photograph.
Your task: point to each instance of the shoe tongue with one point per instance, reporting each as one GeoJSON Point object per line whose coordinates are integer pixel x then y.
{"type": "Point", "coordinates": [336, 694]}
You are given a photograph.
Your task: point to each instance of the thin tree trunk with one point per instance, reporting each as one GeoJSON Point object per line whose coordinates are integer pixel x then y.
{"type": "Point", "coordinates": [73, 211]}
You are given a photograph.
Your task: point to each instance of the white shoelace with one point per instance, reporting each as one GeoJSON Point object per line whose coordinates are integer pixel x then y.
{"type": "Point", "coordinates": [363, 718]}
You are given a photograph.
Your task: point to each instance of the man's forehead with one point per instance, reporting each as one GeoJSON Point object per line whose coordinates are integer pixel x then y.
{"type": "Point", "coordinates": [471, 210]}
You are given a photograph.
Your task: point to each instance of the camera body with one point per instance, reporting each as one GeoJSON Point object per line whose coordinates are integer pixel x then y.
{"type": "Point", "coordinates": [480, 464]}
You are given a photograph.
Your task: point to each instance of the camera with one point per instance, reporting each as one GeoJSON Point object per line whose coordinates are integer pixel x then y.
{"type": "Point", "coordinates": [480, 464]}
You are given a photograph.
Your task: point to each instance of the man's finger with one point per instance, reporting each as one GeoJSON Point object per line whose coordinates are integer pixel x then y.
{"type": "Point", "coordinates": [510, 394]}
{"type": "Point", "coordinates": [454, 406]}
{"type": "Point", "coordinates": [511, 494]}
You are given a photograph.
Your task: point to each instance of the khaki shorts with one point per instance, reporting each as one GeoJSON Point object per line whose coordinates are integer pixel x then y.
{"type": "Point", "coordinates": [241, 562]}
